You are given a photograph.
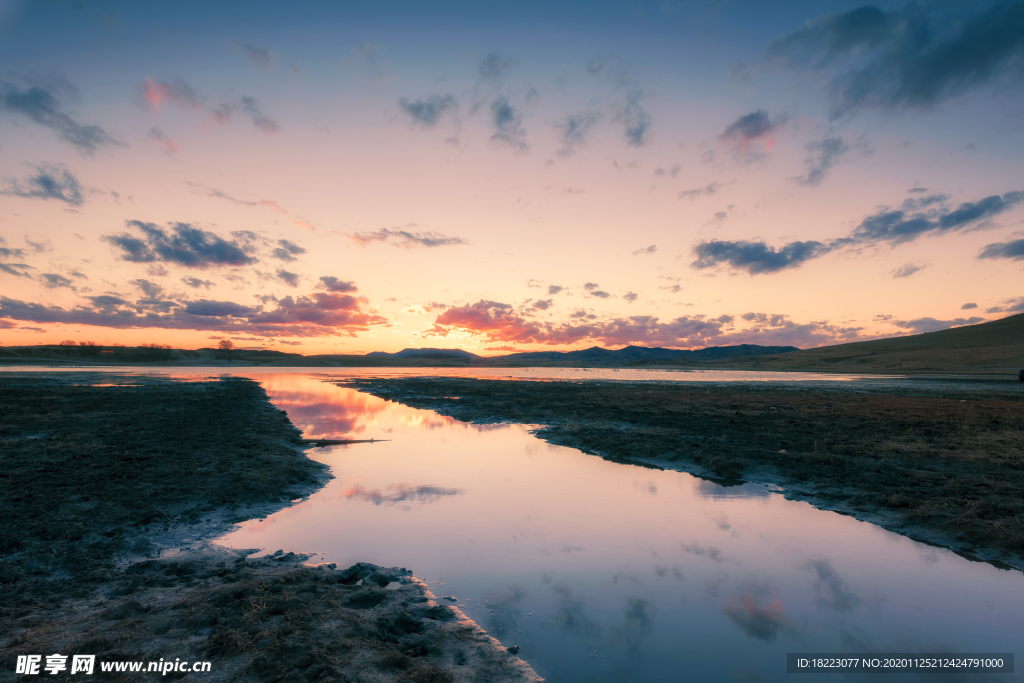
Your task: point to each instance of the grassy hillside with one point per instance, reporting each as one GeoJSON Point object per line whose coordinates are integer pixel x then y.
{"type": "Point", "coordinates": [992, 348]}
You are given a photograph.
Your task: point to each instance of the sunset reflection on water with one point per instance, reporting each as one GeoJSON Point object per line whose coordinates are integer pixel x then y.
{"type": "Point", "coordinates": [604, 571]}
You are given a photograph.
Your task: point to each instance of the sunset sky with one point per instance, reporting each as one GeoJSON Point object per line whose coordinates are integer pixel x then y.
{"type": "Point", "coordinates": [341, 177]}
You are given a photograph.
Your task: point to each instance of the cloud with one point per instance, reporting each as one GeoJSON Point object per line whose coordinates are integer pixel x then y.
{"type": "Point", "coordinates": [507, 124]}
{"type": "Point", "coordinates": [318, 315]}
{"type": "Point", "coordinates": [554, 289]}
{"type": "Point", "coordinates": [1013, 249]}
{"type": "Point", "coordinates": [912, 58]}
{"type": "Point", "coordinates": [543, 304]}
{"type": "Point", "coordinates": [287, 251]}
{"type": "Point", "coordinates": [822, 156]}
{"type": "Point", "coordinates": [333, 284]}
{"type": "Point", "coordinates": [575, 131]}
{"type": "Point", "coordinates": [591, 286]}
{"type": "Point", "coordinates": [756, 127]}
{"type": "Point", "coordinates": [262, 57]}
{"type": "Point", "coordinates": [196, 283]}
{"type": "Point", "coordinates": [380, 70]}
{"type": "Point", "coordinates": [755, 257]}
{"type": "Point", "coordinates": [405, 239]}
{"type": "Point", "coordinates": [673, 172]}
{"type": "Point", "coordinates": [898, 226]}
{"type": "Point", "coordinates": [636, 120]}
{"type": "Point", "coordinates": [156, 93]}
{"type": "Point", "coordinates": [920, 325]}
{"type": "Point", "coordinates": [427, 112]}
{"type": "Point", "coordinates": [967, 307]}
{"type": "Point", "coordinates": [706, 191]}
{"type": "Point", "coordinates": [50, 181]}
{"type": "Point", "coordinates": [493, 66]}
{"type": "Point", "coordinates": [265, 203]}
{"type": "Point", "coordinates": [42, 105]}
{"type": "Point", "coordinates": [600, 294]}
{"type": "Point", "coordinates": [290, 279]}
{"type": "Point", "coordinates": [647, 250]}
{"type": "Point", "coordinates": [54, 281]}
{"type": "Point", "coordinates": [630, 296]}
{"type": "Point", "coordinates": [168, 144]}
{"type": "Point", "coordinates": [498, 323]}
{"type": "Point", "coordinates": [918, 216]}
{"type": "Point", "coordinates": [907, 270]}
{"type": "Point", "coordinates": [16, 269]}
{"type": "Point", "coordinates": [181, 244]}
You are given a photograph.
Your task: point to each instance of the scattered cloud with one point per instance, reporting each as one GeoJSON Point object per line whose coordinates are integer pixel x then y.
{"type": "Point", "coordinates": [705, 191]}
{"type": "Point", "coordinates": [672, 172]}
{"type": "Point", "coordinates": [600, 294]}
{"type": "Point", "coordinates": [967, 307]}
{"type": "Point", "coordinates": [648, 250]}
{"type": "Point", "coordinates": [904, 59]}
{"type": "Point", "coordinates": [897, 226]}
{"type": "Point", "coordinates": [333, 284]}
{"type": "Point", "coordinates": [755, 257]}
{"type": "Point", "coordinates": [822, 156]}
{"type": "Point", "coordinates": [265, 203]}
{"type": "Point", "coordinates": [290, 279]}
{"type": "Point", "coordinates": [554, 289]}
{"type": "Point", "coordinates": [907, 270]}
{"type": "Point", "coordinates": [427, 112]}
{"type": "Point", "coordinates": [16, 269]}
{"type": "Point", "coordinates": [156, 93]}
{"type": "Point", "coordinates": [181, 244]}
{"type": "Point", "coordinates": [50, 181]}
{"type": "Point", "coordinates": [1013, 249]}
{"type": "Point", "coordinates": [507, 124]}
{"type": "Point", "coordinates": [636, 119]}
{"type": "Point", "coordinates": [920, 325]}
{"type": "Point", "coordinates": [499, 323]}
{"type": "Point", "coordinates": [493, 66]}
{"type": "Point", "coordinates": [55, 281]}
{"type": "Point", "coordinates": [42, 104]}
{"type": "Point", "coordinates": [405, 239]}
{"type": "Point", "coordinates": [754, 130]}
{"type": "Point", "coordinates": [543, 304]}
{"type": "Point", "coordinates": [591, 286]}
{"type": "Point", "coordinates": [168, 144]}
{"type": "Point", "coordinates": [262, 57]}
{"type": "Point", "coordinates": [575, 130]}
{"type": "Point", "coordinates": [380, 69]}
{"type": "Point", "coordinates": [630, 296]}
{"type": "Point", "coordinates": [196, 283]}
{"type": "Point", "coordinates": [286, 251]}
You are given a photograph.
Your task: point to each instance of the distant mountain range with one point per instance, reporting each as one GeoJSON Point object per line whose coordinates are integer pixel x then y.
{"type": "Point", "coordinates": [595, 355]}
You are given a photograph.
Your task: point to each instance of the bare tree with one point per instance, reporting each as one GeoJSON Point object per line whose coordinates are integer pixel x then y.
{"type": "Point", "coordinates": [226, 345]}
{"type": "Point", "coordinates": [68, 342]}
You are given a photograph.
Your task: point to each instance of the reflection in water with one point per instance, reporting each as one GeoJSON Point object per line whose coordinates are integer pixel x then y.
{"type": "Point", "coordinates": [402, 493]}
{"type": "Point", "coordinates": [606, 572]}
{"type": "Point", "coordinates": [759, 613]}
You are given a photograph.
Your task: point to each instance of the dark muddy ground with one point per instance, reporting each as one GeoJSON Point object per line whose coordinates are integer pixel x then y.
{"type": "Point", "coordinates": [943, 468]}
{"type": "Point", "coordinates": [108, 495]}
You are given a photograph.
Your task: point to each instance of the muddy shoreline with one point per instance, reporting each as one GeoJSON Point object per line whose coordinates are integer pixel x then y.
{"type": "Point", "coordinates": [111, 488]}
{"type": "Point", "coordinates": [944, 467]}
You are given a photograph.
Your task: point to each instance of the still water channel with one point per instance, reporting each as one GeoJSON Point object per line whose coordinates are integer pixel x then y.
{"type": "Point", "coordinates": [601, 571]}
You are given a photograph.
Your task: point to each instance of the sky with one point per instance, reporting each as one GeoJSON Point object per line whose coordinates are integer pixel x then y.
{"type": "Point", "coordinates": [339, 177]}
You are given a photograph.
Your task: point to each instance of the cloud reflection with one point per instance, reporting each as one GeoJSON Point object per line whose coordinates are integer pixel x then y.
{"type": "Point", "coordinates": [398, 493]}
{"type": "Point", "coordinates": [759, 613]}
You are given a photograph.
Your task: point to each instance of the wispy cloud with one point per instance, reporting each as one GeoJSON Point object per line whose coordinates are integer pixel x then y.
{"type": "Point", "coordinates": [507, 124]}
{"type": "Point", "coordinates": [43, 105]}
{"type": "Point", "coordinates": [753, 132]}
{"type": "Point", "coordinates": [706, 191]}
{"type": "Point", "coordinates": [405, 239]}
{"type": "Point", "coordinates": [1013, 249]}
{"type": "Point", "coordinates": [262, 57]}
{"type": "Point", "coordinates": [50, 181]}
{"type": "Point", "coordinates": [168, 144]}
{"type": "Point", "coordinates": [181, 244]}
{"type": "Point", "coordinates": [426, 112]}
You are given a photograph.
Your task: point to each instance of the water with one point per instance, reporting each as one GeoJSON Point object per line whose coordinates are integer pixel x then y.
{"type": "Point", "coordinates": [601, 571]}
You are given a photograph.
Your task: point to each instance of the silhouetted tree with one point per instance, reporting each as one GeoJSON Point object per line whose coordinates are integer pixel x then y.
{"type": "Point", "coordinates": [68, 342]}
{"type": "Point", "coordinates": [226, 345]}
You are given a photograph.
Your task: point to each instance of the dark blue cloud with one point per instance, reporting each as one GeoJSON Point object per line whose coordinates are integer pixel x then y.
{"type": "Point", "coordinates": [205, 307]}
{"type": "Point", "coordinates": [196, 283]}
{"type": "Point", "coordinates": [507, 123]}
{"type": "Point", "coordinates": [917, 56]}
{"type": "Point", "coordinates": [54, 281]}
{"type": "Point", "coordinates": [636, 119]}
{"type": "Point", "coordinates": [286, 250]}
{"type": "Point", "coordinates": [333, 284]}
{"type": "Point", "coordinates": [50, 181]}
{"type": "Point", "coordinates": [182, 244]}
{"type": "Point", "coordinates": [575, 130]}
{"type": "Point", "coordinates": [427, 112]}
{"type": "Point", "coordinates": [822, 156]}
{"type": "Point", "coordinates": [1014, 249]}
{"type": "Point", "coordinates": [493, 66]}
{"type": "Point", "coordinates": [899, 226]}
{"type": "Point", "coordinates": [756, 257]}
{"type": "Point", "coordinates": [42, 105]}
